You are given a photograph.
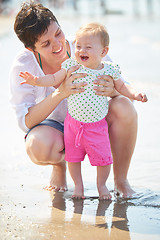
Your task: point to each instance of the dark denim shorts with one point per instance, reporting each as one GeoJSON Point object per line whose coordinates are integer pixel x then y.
{"type": "Point", "coordinates": [51, 123]}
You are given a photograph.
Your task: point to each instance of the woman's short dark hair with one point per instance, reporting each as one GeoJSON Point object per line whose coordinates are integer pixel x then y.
{"type": "Point", "coordinates": [31, 22]}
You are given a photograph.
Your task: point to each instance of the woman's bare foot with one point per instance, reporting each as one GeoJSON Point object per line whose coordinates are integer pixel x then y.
{"type": "Point", "coordinates": [78, 192]}
{"type": "Point", "coordinates": [124, 189]}
{"type": "Point", "coordinates": [58, 178]}
{"type": "Point", "coordinates": [104, 193]}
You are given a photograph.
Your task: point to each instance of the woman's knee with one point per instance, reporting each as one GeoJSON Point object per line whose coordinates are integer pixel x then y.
{"type": "Point", "coordinates": [122, 109]}
{"type": "Point", "coordinates": [43, 151]}
{"type": "Point", "coordinates": [36, 150]}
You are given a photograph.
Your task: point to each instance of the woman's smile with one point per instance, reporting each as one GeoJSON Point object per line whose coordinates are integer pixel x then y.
{"type": "Point", "coordinates": [59, 50]}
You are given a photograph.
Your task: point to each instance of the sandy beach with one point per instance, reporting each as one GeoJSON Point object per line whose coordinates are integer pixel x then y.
{"type": "Point", "coordinates": [29, 212]}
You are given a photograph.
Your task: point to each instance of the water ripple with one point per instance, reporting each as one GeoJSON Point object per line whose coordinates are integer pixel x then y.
{"type": "Point", "coordinates": [145, 197]}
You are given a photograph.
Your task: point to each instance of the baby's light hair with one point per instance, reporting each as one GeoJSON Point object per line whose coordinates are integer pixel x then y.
{"type": "Point", "coordinates": [94, 29]}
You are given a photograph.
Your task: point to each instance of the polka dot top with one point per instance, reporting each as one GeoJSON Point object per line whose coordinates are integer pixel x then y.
{"type": "Point", "coordinates": [87, 106]}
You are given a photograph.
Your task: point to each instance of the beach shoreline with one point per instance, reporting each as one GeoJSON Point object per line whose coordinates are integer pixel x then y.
{"type": "Point", "coordinates": [28, 212]}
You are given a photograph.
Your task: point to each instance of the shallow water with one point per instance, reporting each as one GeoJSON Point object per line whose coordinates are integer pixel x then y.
{"type": "Point", "coordinates": [135, 45]}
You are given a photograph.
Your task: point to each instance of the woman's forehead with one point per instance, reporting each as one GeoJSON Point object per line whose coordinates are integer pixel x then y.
{"type": "Point", "coordinates": [50, 31]}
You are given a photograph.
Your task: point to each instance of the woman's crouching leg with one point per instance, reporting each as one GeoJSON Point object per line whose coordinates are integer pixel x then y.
{"type": "Point", "coordinates": [122, 122]}
{"type": "Point", "coordinates": [44, 146]}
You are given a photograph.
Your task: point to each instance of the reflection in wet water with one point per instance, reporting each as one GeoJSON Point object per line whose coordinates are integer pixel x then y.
{"type": "Point", "coordinates": [111, 216]}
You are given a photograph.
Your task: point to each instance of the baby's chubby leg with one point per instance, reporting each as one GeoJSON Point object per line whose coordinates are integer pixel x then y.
{"type": "Point", "coordinates": [75, 172]}
{"type": "Point", "coordinates": [102, 176]}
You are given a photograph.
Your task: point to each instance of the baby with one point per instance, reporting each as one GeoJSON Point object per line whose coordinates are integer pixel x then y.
{"type": "Point", "coordinates": [85, 127]}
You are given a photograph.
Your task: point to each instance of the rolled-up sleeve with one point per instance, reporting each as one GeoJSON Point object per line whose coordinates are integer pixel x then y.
{"type": "Point", "coordinates": [22, 97]}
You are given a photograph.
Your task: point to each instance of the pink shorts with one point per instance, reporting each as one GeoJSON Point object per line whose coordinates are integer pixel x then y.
{"type": "Point", "coordinates": [87, 138]}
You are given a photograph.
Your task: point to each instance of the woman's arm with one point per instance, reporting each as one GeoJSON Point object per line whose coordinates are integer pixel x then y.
{"type": "Point", "coordinates": [30, 103]}
{"type": "Point", "coordinates": [42, 110]}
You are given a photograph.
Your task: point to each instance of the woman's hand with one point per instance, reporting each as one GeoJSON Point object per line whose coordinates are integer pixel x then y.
{"type": "Point", "coordinates": [67, 87]}
{"type": "Point", "coordinates": [104, 86]}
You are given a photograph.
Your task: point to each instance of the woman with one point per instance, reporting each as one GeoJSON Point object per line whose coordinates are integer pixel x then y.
{"type": "Point", "coordinates": [46, 49]}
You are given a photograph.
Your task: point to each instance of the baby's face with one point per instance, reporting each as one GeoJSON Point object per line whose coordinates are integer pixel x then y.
{"type": "Point", "coordinates": [89, 51]}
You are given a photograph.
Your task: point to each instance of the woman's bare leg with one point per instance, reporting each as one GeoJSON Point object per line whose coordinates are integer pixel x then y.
{"type": "Point", "coordinates": [122, 122]}
{"type": "Point", "coordinates": [75, 172]}
{"type": "Point", "coordinates": [44, 146]}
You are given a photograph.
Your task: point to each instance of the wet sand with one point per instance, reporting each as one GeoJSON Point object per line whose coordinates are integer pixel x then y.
{"type": "Point", "coordinates": [28, 212]}
{"type": "Point", "coordinates": [31, 213]}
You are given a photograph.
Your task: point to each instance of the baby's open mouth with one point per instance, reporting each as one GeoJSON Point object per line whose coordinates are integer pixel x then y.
{"type": "Point", "coordinates": [84, 58]}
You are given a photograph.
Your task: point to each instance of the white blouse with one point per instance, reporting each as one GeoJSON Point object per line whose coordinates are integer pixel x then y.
{"type": "Point", "coordinates": [25, 96]}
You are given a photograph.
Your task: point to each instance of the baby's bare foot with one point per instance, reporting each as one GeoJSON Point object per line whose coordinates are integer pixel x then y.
{"type": "Point", "coordinates": [104, 193]}
{"type": "Point", "coordinates": [78, 192]}
{"type": "Point", "coordinates": [124, 189]}
{"type": "Point", "coordinates": [58, 178]}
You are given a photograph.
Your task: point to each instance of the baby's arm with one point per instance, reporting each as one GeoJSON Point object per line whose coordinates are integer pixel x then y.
{"type": "Point", "coordinates": [128, 91]}
{"type": "Point", "coordinates": [45, 81]}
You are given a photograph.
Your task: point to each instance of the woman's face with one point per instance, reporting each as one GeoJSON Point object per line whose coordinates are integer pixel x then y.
{"type": "Point", "coordinates": [52, 45]}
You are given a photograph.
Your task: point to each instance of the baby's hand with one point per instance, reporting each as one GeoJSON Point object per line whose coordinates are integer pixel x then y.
{"type": "Point", "coordinates": [141, 97]}
{"type": "Point", "coordinates": [28, 78]}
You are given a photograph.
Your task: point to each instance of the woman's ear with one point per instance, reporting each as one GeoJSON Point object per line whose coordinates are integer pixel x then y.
{"type": "Point", "coordinates": [105, 51]}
